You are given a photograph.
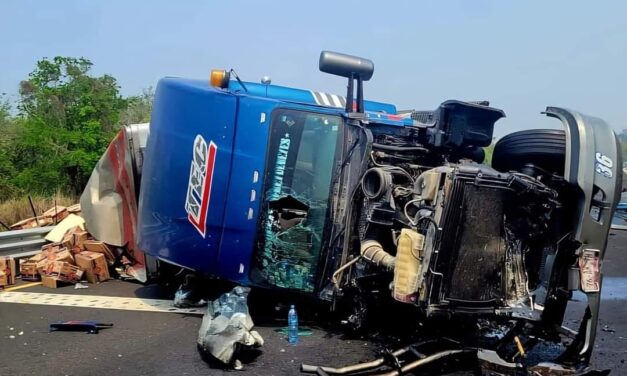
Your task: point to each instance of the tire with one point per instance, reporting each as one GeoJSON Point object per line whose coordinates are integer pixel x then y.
{"type": "Point", "coordinates": [545, 148]}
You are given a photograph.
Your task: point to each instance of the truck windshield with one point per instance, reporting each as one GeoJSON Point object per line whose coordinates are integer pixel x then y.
{"type": "Point", "coordinates": [302, 150]}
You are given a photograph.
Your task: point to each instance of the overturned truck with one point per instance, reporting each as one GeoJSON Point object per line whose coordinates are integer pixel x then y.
{"type": "Point", "coordinates": [348, 199]}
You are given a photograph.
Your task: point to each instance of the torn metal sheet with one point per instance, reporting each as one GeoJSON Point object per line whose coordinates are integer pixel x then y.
{"type": "Point", "coordinates": [109, 201]}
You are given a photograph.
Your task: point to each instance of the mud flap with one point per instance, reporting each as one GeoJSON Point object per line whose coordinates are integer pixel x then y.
{"type": "Point", "coordinates": [594, 165]}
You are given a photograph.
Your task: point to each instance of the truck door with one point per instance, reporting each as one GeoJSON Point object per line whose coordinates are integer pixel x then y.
{"type": "Point", "coordinates": [186, 171]}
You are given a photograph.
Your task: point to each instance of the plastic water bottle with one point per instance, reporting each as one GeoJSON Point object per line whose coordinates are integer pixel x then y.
{"type": "Point", "coordinates": [292, 326]}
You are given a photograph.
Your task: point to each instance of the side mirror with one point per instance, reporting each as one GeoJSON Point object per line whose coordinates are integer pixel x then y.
{"type": "Point", "coordinates": [346, 65]}
{"type": "Point", "coordinates": [355, 69]}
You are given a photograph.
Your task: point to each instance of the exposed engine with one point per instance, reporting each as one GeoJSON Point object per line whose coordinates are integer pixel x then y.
{"type": "Point", "coordinates": [452, 235]}
{"type": "Point", "coordinates": [457, 236]}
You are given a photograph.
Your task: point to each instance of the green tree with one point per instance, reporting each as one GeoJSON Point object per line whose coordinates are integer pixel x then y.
{"type": "Point", "coordinates": [68, 117]}
{"type": "Point", "coordinates": [139, 108]}
{"type": "Point", "coordinates": [7, 139]}
{"type": "Point", "coordinates": [488, 154]}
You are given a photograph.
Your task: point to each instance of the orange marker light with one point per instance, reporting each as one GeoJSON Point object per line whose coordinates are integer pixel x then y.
{"type": "Point", "coordinates": [219, 78]}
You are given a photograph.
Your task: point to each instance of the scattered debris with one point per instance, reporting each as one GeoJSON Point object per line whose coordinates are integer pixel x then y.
{"type": "Point", "coordinates": [183, 299]}
{"type": "Point", "coordinates": [302, 331]}
{"type": "Point", "coordinates": [226, 328]}
{"type": "Point", "coordinates": [188, 294]}
{"type": "Point", "coordinates": [608, 329]}
{"type": "Point", "coordinates": [237, 365]}
{"type": "Point", "coordinates": [71, 255]}
{"type": "Point", "coordinates": [31, 222]}
{"type": "Point", "coordinates": [80, 286]}
{"type": "Point", "coordinates": [91, 327]}
{"type": "Point", "coordinates": [392, 361]}
{"type": "Point", "coordinates": [50, 217]}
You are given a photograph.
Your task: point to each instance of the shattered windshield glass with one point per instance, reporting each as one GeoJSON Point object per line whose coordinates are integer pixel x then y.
{"type": "Point", "coordinates": [301, 152]}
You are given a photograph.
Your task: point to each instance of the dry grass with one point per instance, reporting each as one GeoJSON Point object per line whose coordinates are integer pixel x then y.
{"type": "Point", "coordinates": [14, 210]}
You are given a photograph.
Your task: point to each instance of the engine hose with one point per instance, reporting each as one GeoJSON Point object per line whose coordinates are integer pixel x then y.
{"type": "Point", "coordinates": [372, 251]}
{"type": "Point", "coordinates": [400, 148]}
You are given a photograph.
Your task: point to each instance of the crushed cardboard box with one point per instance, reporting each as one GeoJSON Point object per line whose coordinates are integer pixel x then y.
{"type": "Point", "coordinates": [63, 271]}
{"type": "Point", "coordinates": [31, 223]}
{"type": "Point", "coordinates": [99, 247]}
{"type": "Point", "coordinates": [94, 265]}
{"type": "Point", "coordinates": [58, 232]}
{"type": "Point", "coordinates": [7, 271]}
{"type": "Point", "coordinates": [74, 209]}
{"type": "Point", "coordinates": [51, 216]}
{"type": "Point", "coordinates": [56, 213]}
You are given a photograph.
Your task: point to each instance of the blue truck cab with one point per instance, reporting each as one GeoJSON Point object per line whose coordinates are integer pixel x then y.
{"type": "Point", "coordinates": [218, 157]}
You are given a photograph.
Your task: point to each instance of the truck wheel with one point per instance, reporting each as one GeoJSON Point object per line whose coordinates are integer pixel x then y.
{"type": "Point", "coordinates": [544, 148]}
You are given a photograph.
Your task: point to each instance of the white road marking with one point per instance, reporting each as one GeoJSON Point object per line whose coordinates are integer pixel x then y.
{"type": "Point", "coordinates": [96, 301]}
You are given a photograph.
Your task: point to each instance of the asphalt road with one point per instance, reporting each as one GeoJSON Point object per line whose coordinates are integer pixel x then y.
{"type": "Point", "coordinates": [148, 343]}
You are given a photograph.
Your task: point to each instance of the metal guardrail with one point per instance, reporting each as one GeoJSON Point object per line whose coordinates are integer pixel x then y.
{"type": "Point", "coordinates": [22, 243]}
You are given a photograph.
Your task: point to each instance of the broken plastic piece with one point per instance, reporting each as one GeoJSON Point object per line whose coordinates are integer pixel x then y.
{"type": "Point", "coordinates": [78, 326]}
{"type": "Point", "coordinates": [186, 297]}
{"type": "Point", "coordinates": [519, 346]}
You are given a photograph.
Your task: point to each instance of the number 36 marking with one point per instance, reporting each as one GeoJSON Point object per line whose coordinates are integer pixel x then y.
{"type": "Point", "coordinates": [603, 165]}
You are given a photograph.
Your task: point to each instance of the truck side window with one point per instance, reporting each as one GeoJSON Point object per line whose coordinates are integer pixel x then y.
{"type": "Point", "coordinates": [302, 151]}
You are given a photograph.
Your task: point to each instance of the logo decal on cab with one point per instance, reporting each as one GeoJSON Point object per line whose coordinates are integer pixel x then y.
{"type": "Point", "coordinates": [199, 185]}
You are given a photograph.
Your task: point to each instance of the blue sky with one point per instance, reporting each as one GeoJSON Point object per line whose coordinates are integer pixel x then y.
{"type": "Point", "coordinates": [522, 56]}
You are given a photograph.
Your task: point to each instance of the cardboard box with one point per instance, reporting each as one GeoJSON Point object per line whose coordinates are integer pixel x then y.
{"type": "Point", "coordinates": [99, 247]}
{"type": "Point", "coordinates": [52, 282]}
{"type": "Point", "coordinates": [80, 237]}
{"type": "Point", "coordinates": [57, 213]}
{"type": "Point", "coordinates": [28, 270]}
{"type": "Point", "coordinates": [7, 271]}
{"type": "Point", "coordinates": [38, 257]}
{"type": "Point", "coordinates": [63, 256]}
{"type": "Point", "coordinates": [51, 248]}
{"type": "Point", "coordinates": [70, 273]}
{"type": "Point", "coordinates": [68, 241]}
{"type": "Point", "coordinates": [4, 280]}
{"type": "Point", "coordinates": [94, 265]}
{"type": "Point", "coordinates": [63, 271]}
{"type": "Point", "coordinates": [31, 223]}
{"type": "Point", "coordinates": [74, 209]}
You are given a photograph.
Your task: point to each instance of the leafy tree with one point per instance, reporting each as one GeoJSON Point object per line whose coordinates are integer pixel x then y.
{"type": "Point", "coordinates": [7, 136]}
{"type": "Point", "coordinates": [488, 154]}
{"type": "Point", "coordinates": [139, 108]}
{"type": "Point", "coordinates": [68, 117]}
